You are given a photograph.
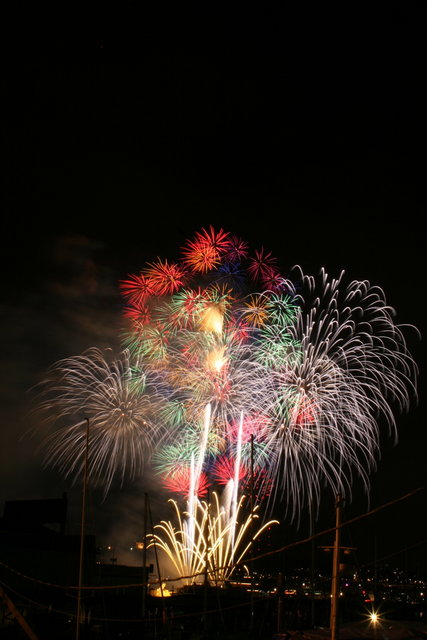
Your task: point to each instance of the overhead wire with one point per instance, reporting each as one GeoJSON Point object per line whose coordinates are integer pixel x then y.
{"type": "Point", "coordinates": [253, 558]}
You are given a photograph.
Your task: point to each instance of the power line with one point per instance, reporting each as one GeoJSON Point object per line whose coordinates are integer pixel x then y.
{"type": "Point", "coordinates": [242, 562]}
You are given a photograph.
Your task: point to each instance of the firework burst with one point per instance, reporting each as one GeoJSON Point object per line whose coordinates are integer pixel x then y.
{"type": "Point", "coordinates": [297, 380]}
{"type": "Point", "coordinates": [119, 402]}
{"type": "Point", "coordinates": [350, 365]}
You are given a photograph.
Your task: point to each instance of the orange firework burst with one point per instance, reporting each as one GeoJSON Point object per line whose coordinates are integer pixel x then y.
{"type": "Point", "coordinates": [256, 310]}
{"type": "Point", "coordinates": [165, 278]}
{"type": "Point", "coordinates": [204, 252]}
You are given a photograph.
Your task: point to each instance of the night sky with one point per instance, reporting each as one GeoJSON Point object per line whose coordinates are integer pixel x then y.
{"type": "Point", "coordinates": [120, 143]}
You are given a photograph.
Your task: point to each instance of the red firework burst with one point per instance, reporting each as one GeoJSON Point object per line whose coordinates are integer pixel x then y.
{"type": "Point", "coordinates": [139, 315]}
{"type": "Point", "coordinates": [136, 289]}
{"type": "Point", "coordinates": [165, 278]}
{"type": "Point", "coordinates": [304, 413]}
{"type": "Point", "coordinates": [273, 280]}
{"type": "Point", "coordinates": [179, 482]}
{"type": "Point", "coordinates": [194, 300]}
{"type": "Point", "coordinates": [190, 355]}
{"type": "Point", "coordinates": [238, 332]}
{"type": "Point", "coordinates": [237, 250]}
{"type": "Point", "coordinates": [261, 264]}
{"type": "Point", "coordinates": [224, 470]}
{"type": "Point", "coordinates": [205, 252]}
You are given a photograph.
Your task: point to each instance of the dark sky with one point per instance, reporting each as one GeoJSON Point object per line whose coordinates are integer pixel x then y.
{"type": "Point", "coordinates": [300, 133]}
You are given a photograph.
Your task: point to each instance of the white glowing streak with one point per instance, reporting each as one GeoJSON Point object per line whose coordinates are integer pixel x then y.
{"type": "Point", "coordinates": [236, 477]}
{"type": "Point", "coordinates": [188, 527]}
{"type": "Point", "coordinates": [204, 442]}
{"type": "Point", "coordinates": [195, 476]}
{"type": "Point", "coordinates": [227, 496]}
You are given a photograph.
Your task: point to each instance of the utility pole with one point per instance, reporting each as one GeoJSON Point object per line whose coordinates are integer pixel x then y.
{"type": "Point", "coordinates": [336, 570]}
{"type": "Point", "coordinates": [252, 534]}
{"type": "Point", "coordinates": [312, 562]}
{"type": "Point", "coordinates": [144, 559]}
{"type": "Point", "coordinates": [279, 602]}
{"type": "Point", "coordinates": [164, 616]}
{"type": "Point", "coordinates": [17, 615]}
{"type": "Point", "coordinates": [206, 578]}
{"type": "Point", "coordinates": [82, 531]}
{"type": "Point", "coordinates": [337, 548]}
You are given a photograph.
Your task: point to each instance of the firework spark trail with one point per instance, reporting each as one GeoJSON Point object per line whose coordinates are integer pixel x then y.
{"type": "Point", "coordinates": [187, 553]}
{"type": "Point", "coordinates": [218, 545]}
